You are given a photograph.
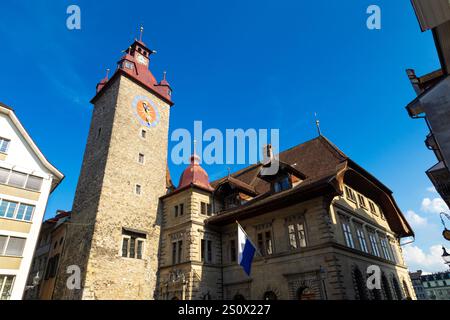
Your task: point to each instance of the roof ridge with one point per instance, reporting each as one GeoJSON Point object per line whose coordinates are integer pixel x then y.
{"type": "Point", "coordinates": [333, 148]}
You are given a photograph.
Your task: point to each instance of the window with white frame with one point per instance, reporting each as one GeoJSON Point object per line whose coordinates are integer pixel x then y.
{"type": "Point", "coordinates": [133, 244]}
{"type": "Point", "coordinates": [4, 145]}
{"type": "Point", "coordinates": [348, 236]}
{"type": "Point", "coordinates": [16, 211]}
{"type": "Point", "coordinates": [385, 248]}
{"type": "Point", "coordinates": [361, 237]}
{"type": "Point", "coordinates": [6, 285]}
{"type": "Point", "coordinates": [11, 246]}
{"type": "Point", "coordinates": [297, 235]}
{"type": "Point", "coordinates": [265, 244]}
{"type": "Point", "coordinates": [350, 194]}
{"type": "Point", "coordinates": [374, 243]}
{"type": "Point", "coordinates": [20, 179]}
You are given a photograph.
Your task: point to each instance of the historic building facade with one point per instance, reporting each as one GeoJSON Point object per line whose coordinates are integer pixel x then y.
{"type": "Point", "coordinates": [319, 223]}
{"type": "Point", "coordinates": [26, 182]}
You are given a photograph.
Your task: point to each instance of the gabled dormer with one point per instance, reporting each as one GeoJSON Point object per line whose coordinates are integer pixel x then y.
{"type": "Point", "coordinates": [232, 193]}
{"type": "Point", "coordinates": [281, 175]}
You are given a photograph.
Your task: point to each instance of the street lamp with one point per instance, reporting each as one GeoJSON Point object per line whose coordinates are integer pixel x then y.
{"type": "Point", "coordinates": [446, 232]}
{"type": "Point", "coordinates": [446, 257]}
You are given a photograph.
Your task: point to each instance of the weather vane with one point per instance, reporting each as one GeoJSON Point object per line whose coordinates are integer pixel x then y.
{"type": "Point", "coordinates": [317, 124]}
{"type": "Point", "coordinates": [141, 33]}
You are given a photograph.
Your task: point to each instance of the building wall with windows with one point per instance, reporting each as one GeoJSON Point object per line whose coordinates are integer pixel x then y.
{"type": "Point", "coordinates": [437, 285]}
{"type": "Point", "coordinates": [316, 249]}
{"type": "Point", "coordinates": [190, 260]}
{"type": "Point", "coordinates": [26, 181]}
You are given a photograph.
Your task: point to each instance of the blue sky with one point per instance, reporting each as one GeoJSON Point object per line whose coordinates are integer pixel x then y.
{"type": "Point", "coordinates": [236, 64]}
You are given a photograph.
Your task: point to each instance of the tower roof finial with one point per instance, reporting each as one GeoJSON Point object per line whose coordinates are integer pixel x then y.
{"type": "Point", "coordinates": [141, 33]}
{"type": "Point", "coordinates": [318, 124]}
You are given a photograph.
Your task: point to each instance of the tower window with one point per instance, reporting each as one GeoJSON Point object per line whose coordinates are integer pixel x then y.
{"type": "Point", "coordinates": [141, 158]}
{"type": "Point", "coordinates": [133, 244]}
{"type": "Point", "coordinates": [181, 209]}
{"type": "Point", "coordinates": [138, 189]}
{"type": "Point", "coordinates": [143, 134]}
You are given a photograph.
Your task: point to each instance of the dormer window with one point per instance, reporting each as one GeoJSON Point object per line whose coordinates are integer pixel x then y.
{"type": "Point", "coordinates": [284, 183]}
{"type": "Point", "coordinates": [231, 201]}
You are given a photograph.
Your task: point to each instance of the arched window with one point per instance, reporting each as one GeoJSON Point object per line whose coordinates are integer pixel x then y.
{"type": "Point", "coordinates": [300, 292]}
{"type": "Point", "coordinates": [239, 297]}
{"type": "Point", "coordinates": [360, 285]}
{"type": "Point", "coordinates": [270, 295]}
{"type": "Point", "coordinates": [397, 290]}
{"type": "Point", "coordinates": [386, 288]}
{"type": "Point", "coordinates": [405, 287]}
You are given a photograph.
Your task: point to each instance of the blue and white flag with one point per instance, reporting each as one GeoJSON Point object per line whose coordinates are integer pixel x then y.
{"type": "Point", "coordinates": [246, 250]}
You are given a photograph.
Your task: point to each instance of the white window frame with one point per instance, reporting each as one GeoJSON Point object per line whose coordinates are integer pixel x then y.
{"type": "Point", "coordinates": [299, 235]}
{"type": "Point", "coordinates": [3, 278]}
{"type": "Point", "coordinates": [25, 181]}
{"type": "Point", "coordinates": [16, 210]}
{"type": "Point", "coordinates": [374, 243]}
{"type": "Point", "coordinates": [385, 247]}
{"type": "Point", "coordinates": [361, 235]}
{"type": "Point", "coordinates": [8, 238]}
{"type": "Point", "coordinates": [348, 234]}
{"type": "Point", "coordinates": [137, 240]}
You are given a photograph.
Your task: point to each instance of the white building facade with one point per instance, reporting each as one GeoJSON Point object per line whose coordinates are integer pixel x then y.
{"type": "Point", "coordinates": [26, 181]}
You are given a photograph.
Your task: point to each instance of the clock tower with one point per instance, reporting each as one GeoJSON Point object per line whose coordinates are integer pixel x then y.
{"type": "Point", "coordinates": [113, 237]}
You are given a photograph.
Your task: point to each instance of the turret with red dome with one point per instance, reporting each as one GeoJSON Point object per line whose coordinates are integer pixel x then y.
{"type": "Point", "coordinates": [195, 175]}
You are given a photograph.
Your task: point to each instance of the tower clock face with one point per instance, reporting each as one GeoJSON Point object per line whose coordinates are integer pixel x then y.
{"type": "Point", "coordinates": [146, 111]}
{"type": "Point", "coordinates": [141, 59]}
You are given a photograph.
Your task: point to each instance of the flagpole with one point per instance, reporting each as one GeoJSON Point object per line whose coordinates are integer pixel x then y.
{"type": "Point", "coordinates": [249, 239]}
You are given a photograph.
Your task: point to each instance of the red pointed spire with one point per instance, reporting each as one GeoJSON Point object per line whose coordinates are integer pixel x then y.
{"type": "Point", "coordinates": [135, 65]}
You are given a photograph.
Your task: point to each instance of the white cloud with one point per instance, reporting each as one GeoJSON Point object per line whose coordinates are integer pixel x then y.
{"type": "Point", "coordinates": [432, 189]}
{"type": "Point", "coordinates": [415, 220]}
{"type": "Point", "coordinates": [417, 259]}
{"type": "Point", "coordinates": [436, 205]}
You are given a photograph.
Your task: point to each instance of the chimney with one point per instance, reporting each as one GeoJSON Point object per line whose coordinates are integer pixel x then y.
{"type": "Point", "coordinates": [267, 154]}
